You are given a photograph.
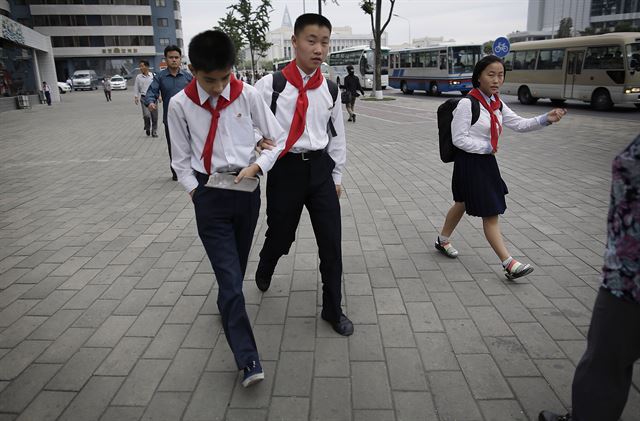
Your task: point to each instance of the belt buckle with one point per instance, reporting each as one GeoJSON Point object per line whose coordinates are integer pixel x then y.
{"type": "Point", "coordinates": [304, 158]}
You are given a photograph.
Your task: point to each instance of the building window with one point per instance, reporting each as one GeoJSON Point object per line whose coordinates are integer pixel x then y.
{"type": "Point", "coordinates": [161, 3]}
{"type": "Point", "coordinates": [163, 22]}
{"type": "Point", "coordinates": [164, 41]}
{"type": "Point", "coordinates": [180, 42]}
{"type": "Point", "coordinates": [176, 5]}
{"type": "Point", "coordinates": [178, 24]}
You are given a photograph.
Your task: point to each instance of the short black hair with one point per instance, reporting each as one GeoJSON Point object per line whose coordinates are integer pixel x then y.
{"type": "Point", "coordinates": [170, 48]}
{"type": "Point", "coordinates": [145, 62]}
{"type": "Point", "coordinates": [212, 50]}
{"type": "Point", "coordinates": [310, 19]}
{"type": "Point", "coordinates": [481, 65]}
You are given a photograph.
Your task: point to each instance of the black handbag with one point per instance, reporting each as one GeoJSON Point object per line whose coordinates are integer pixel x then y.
{"type": "Point", "coordinates": [346, 97]}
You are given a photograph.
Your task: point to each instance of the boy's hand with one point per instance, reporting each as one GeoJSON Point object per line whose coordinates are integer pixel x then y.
{"type": "Point", "coordinates": [265, 143]}
{"type": "Point", "coordinates": [556, 114]}
{"type": "Point", "coordinates": [250, 171]}
{"type": "Point", "coordinates": [152, 106]}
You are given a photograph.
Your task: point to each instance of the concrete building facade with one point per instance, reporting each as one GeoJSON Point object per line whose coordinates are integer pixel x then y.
{"type": "Point", "coordinates": [108, 36]}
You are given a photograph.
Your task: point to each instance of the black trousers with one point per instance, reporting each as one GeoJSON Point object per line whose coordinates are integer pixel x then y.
{"type": "Point", "coordinates": [293, 183]}
{"type": "Point", "coordinates": [166, 133]}
{"type": "Point", "coordinates": [603, 376]}
{"type": "Point", "coordinates": [226, 222]}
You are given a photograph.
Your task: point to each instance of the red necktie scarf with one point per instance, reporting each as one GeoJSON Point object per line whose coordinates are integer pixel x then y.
{"type": "Point", "coordinates": [292, 74]}
{"type": "Point", "coordinates": [192, 92]}
{"type": "Point", "coordinates": [496, 127]}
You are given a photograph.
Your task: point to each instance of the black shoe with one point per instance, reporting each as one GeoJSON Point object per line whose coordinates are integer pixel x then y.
{"type": "Point", "coordinates": [343, 326]}
{"type": "Point", "coordinates": [349, 119]}
{"type": "Point", "coordinates": [174, 177]}
{"type": "Point", "coordinates": [354, 118]}
{"type": "Point", "coordinates": [154, 134]}
{"type": "Point", "coordinates": [551, 416]}
{"type": "Point", "coordinates": [147, 131]}
{"type": "Point", "coordinates": [263, 277]}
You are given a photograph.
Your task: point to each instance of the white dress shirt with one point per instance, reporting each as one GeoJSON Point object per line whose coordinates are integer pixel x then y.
{"type": "Point", "coordinates": [321, 108]}
{"type": "Point", "coordinates": [142, 84]}
{"type": "Point", "coordinates": [234, 144]}
{"type": "Point", "coordinates": [477, 138]}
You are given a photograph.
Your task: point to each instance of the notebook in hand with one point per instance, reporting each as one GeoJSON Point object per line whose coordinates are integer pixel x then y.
{"type": "Point", "coordinates": [227, 181]}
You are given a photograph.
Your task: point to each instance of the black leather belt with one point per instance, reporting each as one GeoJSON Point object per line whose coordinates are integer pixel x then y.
{"type": "Point", "coordinates": [306, 156]}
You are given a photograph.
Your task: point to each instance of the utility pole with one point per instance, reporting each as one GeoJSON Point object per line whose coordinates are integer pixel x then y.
{"type": "Point", "coordinates": [319, 7]}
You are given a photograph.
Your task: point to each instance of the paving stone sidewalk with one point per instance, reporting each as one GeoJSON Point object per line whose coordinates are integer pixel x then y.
{"type": "Point", "coordinates": [108, 302]}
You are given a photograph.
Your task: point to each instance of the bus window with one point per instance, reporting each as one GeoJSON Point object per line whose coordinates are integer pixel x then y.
{"type": "Point", "coordinates": [550, 59]}
{"type": "Point", "coordinates": [633, 53]}
{"type": "Point", "coordinates": [604, 58]}
{"type": "Point", "coordinates": [524, 60]}
{"type": "Point", "coordinates": [405, 59]}
{"type": "Point", "coordinates": [417, 59]}
{"type": "Point", "coordinates": [508, 61]}
{"type": "Point", "coordinates": [464, 58]}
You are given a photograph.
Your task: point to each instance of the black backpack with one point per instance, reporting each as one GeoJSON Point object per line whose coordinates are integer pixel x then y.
{"type": "Point", "coordinates": [279, 82]}
{"type": "Point", "coordinates": [445, 116]}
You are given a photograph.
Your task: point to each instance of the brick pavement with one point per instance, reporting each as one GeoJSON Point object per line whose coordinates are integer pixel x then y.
{"type": "Point", "coordinates": [107, 301]}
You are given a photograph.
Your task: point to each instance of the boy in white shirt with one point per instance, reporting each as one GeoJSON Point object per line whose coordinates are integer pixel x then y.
{"type": "Point", "coordinates": [212, 125]}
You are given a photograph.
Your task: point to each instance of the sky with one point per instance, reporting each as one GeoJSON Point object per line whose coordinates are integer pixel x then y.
{"type": "Point", "coordinates": [474, 21]}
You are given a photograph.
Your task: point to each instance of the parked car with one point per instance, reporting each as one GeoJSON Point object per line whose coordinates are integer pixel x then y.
{"type": "Point", "coordinates": [64, 87]}
{"type": "Point", "coordinates": [84, 79]}
{"type": "Point", "coordinates": [118, 83]}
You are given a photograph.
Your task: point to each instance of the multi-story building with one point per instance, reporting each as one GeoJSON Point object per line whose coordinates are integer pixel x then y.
{"type": "Point", "coordinates": [544, 16]}
{"type": "Point", "coordinates": [26, 60]}
{"type": "Point", "coordinates": [108, 36]}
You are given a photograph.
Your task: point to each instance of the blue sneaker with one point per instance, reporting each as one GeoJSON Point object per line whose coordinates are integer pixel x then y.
{"type": "Point", "coordinates": [252, 374]}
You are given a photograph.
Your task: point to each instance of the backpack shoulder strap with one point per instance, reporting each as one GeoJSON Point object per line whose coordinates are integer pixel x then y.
{"type": "Point", "coordinates": [475, 109]}
{"type": "Point", "coordinates": [333, 90]}
{"type": "Point", "coordinates": [279, 82]}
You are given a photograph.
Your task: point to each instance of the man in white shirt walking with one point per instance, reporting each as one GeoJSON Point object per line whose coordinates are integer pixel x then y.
{"type": "Point", "coordinates": [143, 80]}
{"type": "Point", "coordinates": [212, 131]}
{"type": "Point", "coordinates": [309, 172]}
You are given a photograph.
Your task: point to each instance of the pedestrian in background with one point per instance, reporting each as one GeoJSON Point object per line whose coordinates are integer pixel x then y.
{"type": "Point", "coordinates": [70, 83]}
{"type": "Point", "coordinates": [477, 185]}
{"type": "Point", "coordinates": [47, 92]}
{"type": "Point", "coordinates": [352, 85]}
{"type": "Point", "coordinates": [140, 87]}
{"type": "Point", "coordinates": [602, 379]}
{"type": "Point", "coordinates": [106, 85]}
{"type": "Point", "coordinates": [164, 86]}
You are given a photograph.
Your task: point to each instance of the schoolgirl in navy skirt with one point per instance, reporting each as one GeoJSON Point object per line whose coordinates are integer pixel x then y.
{"type": "Point", "coordinates": [478, 188]}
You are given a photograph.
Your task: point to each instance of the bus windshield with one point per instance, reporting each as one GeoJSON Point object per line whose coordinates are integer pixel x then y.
{"type": "Point", "coordinates": [369, 62]}
{"type": "Point", "coordinates": [463, 59]}
{"type": "Point", "coordinates": [633, 53]}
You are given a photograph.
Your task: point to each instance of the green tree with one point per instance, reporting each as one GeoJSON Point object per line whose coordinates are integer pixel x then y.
{"type": "Point", "coordinates": [589, 30]}
{"type": "Point", "coordinates": [487, 47]}
{"type": "Point", "coordinates": [564, 30]}
{"type": "Point", "coordinates": [624, 26]}
{"type": "Point", "coordinates": [248, 27]}
{"type": "Point", "coordinates": [370, 8]}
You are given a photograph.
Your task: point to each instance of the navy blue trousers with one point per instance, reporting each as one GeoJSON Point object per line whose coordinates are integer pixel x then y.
{"type": "Point", "coordinates": [226, 222]}
{"type": "Point", "coordinates": [292, 184]}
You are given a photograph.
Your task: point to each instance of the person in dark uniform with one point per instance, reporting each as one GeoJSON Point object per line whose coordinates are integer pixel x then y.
{"type": "Point", "coordinates": [477, 185]}
{"type": "Point", "coordinates": [309, 171]}
{"type": "Point", "coordinates": [165, 85]}
{"type": "Point", "coordinates": [352, 85]}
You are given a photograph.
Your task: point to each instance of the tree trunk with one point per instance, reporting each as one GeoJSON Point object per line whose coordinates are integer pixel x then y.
{"type": "Point", "coordinates": [377, 36]}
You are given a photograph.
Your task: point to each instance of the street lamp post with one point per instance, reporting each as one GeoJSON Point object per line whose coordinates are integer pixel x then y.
{"type": "Point", "coordinates": [409, 25]}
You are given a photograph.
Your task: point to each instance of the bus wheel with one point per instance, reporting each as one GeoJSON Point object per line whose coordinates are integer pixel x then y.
{"type": "Point", "coordinates": [433, 89]}
{"type": "Point", "coordinates": [404, 89]}
{"type": "Point", "coordinates": [558, 102]}
{"type": "Point", "coordinates": [464, 93]}
{"type": "Point", "coordinates": [525, 97]}
{"type": "Point", "coordinates": [601, 100]}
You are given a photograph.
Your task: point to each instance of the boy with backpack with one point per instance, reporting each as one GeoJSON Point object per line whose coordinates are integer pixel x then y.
{"type": "Point", "coordinates": [309, 170]}
{"type": "Point", "coordinates": [212, 123]}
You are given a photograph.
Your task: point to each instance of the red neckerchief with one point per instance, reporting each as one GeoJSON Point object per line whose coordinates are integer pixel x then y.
{"type": "Point", "coordinates": [496, 127]}
{"type": "Point", "coordinates": [292, 74]}
{"type": "Point", "coordinates": [192, 92]}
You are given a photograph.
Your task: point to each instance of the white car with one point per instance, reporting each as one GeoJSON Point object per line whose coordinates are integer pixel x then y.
{"type": "Point", "coordinates": [64, 87]}
{"type": "Point", "coordinates": [118, 82]}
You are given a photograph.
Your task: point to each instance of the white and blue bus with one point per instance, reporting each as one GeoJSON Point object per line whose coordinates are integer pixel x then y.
{"type": "Point", "coordinates": [434, 69]}
{"type": "Point", "coordinates": [362, 60]}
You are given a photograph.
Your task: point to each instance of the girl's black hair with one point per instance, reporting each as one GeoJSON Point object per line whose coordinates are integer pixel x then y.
{"type": "Point", "coordinates": [481, 65]}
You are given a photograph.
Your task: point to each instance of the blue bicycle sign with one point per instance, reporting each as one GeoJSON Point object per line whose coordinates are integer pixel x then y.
{"type": "Point", "coordinates": [501, 47]}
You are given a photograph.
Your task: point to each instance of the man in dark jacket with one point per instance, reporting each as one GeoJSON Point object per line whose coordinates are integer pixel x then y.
{"type": "Point", "coordinates": [352, 85]}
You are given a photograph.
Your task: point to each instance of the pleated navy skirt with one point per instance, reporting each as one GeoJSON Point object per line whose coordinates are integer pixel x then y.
{"type": "Point", "coordinates": [477, 182]}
